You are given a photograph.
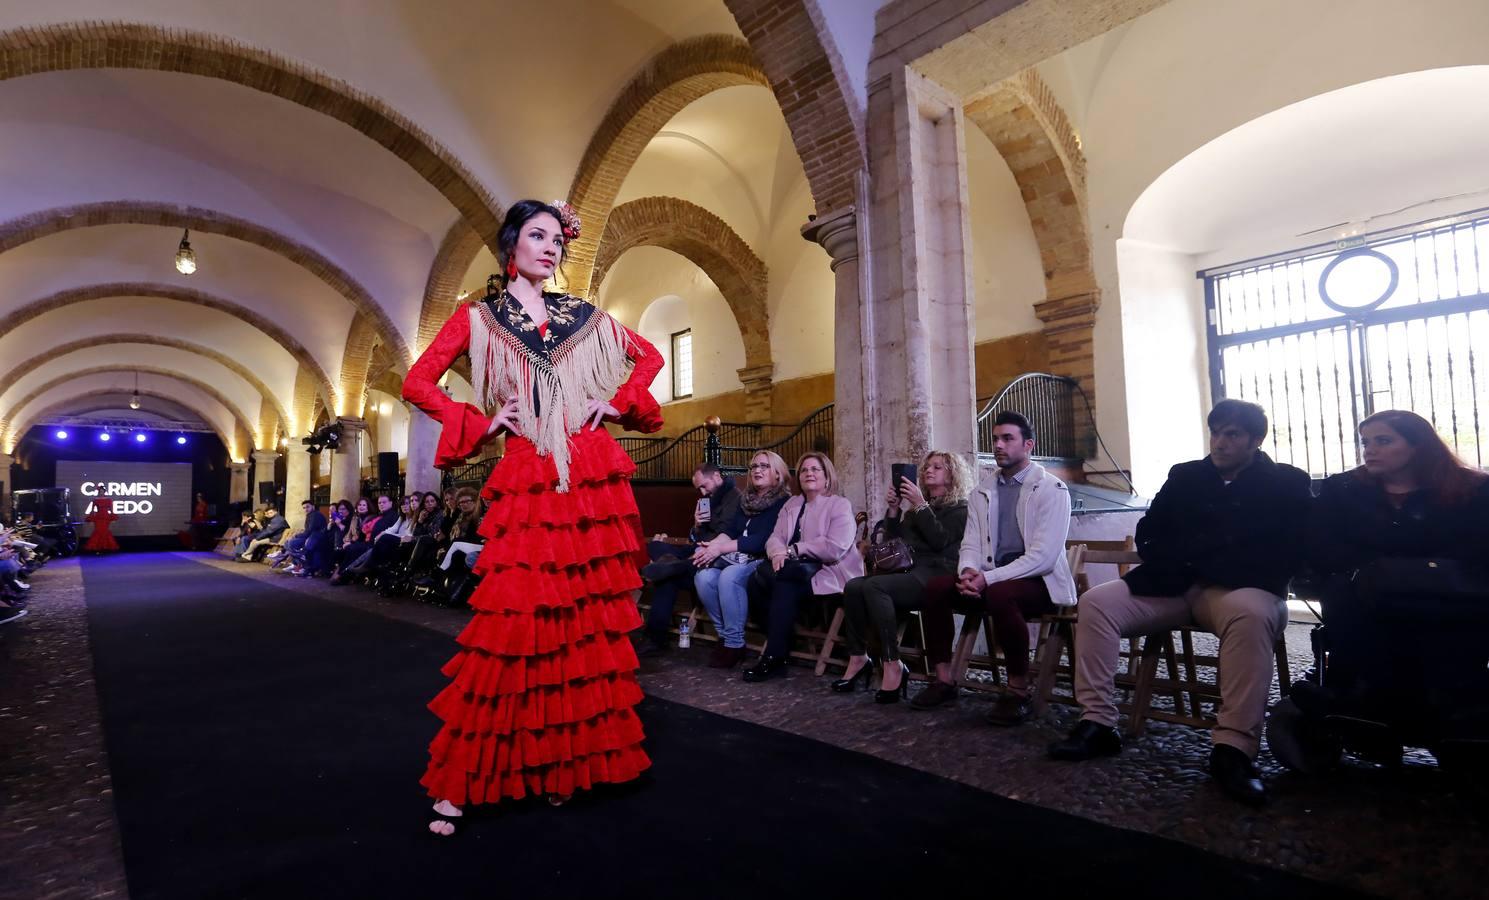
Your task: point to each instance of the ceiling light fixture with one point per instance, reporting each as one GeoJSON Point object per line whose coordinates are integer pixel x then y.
{"type": "Point", "coordinates": [185, 256]}
{"type": "Point", "coordinates": [134, 401]}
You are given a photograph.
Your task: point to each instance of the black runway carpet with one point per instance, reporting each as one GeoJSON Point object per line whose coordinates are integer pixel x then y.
{"type": "Point", "coordinates": [267, 744]}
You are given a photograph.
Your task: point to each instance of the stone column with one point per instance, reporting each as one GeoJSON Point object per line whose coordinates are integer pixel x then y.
{"type": "Point", "coordinates": [758, 384]}
{"type": "Point", "coordinates": [238, 488]}
{"type": "Point", "coordinates": [423, 439]}
{"type": "Point", "coordinates": [903, 347]}
{"type": "Point", "coordinates": [853, 441]}
{"type": "Point", "coordinates": [346, 462]}
{"type": "Point", "coordinates": [263, 470]}
{"type": "Point", "coordinates": [5, 502]}
{"type": "Point", "coordinates": [296, 484]}
{"type": "Point", "coordinates": [1070, 333]}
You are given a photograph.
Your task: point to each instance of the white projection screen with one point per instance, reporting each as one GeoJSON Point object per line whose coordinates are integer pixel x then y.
{"type": "Point", "coordinates": [150, 498]}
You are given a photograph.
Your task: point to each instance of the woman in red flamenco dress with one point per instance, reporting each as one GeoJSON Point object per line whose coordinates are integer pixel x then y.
{"type": "Point", "coordinates": [543, 688]}
{"type": "Point", "coordinates": [102, 539]}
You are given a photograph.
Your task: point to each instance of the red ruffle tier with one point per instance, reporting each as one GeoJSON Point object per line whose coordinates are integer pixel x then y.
{"type": "Point", "coordinates": [542, 690]}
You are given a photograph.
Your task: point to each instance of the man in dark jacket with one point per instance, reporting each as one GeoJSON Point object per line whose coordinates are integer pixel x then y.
{"type": "Point", "coordinates": [671, 568]}
{"type": "Point", "coordinates": [313, 530]}
{"type": "Point", "coordinates": [274, 528]}
{"type": "Point", "coordinates": [1219, 544]}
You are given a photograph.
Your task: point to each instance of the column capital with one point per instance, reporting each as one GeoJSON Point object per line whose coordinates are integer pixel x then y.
{"type": "Point", "coordinates": [837, 232]}
{"type": "Point", "coordinates": [266, 456]}
{"type": "Point", "coordinates": [351, 423]}
{"type": "Point", "coordinates": [237, 466]}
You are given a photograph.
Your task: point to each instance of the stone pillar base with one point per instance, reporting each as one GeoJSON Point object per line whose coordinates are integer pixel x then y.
{"type": "Point", "coordinates": [758, 389]}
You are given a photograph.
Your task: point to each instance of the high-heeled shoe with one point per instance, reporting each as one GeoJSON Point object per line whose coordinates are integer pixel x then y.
{"type": "Point", "coordinates": [898, 694]}
{"type": "Point", "coordinates": [849, 685]}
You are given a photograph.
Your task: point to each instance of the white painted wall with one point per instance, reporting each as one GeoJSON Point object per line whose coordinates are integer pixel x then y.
{"type": "Point", "coordinates": [1007, 279]}
{"type": "Point", "coordinates": [392, 423]}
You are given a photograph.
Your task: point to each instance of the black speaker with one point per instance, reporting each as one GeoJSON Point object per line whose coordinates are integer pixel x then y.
{"type": "Point", "coordinates": [266, 492]}
{"type": "Point", "coordinates": [387, 469]}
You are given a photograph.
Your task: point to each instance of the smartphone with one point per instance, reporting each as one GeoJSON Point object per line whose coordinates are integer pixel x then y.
{"type": "Point", "coordinates": [903, 470]}
{"type": "Point", "coordinates": [705, 509]}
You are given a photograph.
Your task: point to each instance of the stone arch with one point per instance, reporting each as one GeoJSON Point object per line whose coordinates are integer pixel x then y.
{"type": "Point", "coordinates": [8, 379]}
{"type": "Point", "coordinates": [677, 76]}
{"type": "Point", "coordinates": [1027, 125]}
{"type": "Point", "coordinates": [209, 390]}
{"type": "Point", "coordinates": [23, 314]}
{"type": "Point", "coordinates": [709, 243]}
{"type": "Point", "coordinates": [355, 362]}
{"type": "Point", "coordinates": [457, 252]}
{"type": "Point", "coordinates": [54, 221]}
{"type": "Point", "coordinates": [66, 406]}
{"type": "Point", "coordinates": [796, 51]}
{"type": "Point", "coordinates": [97, 45]}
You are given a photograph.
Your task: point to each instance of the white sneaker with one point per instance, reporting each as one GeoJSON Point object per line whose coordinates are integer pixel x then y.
{"type": "Point", "coordinates": [22, 585]}
{"type": "Point", "coordinates": [10, 615]}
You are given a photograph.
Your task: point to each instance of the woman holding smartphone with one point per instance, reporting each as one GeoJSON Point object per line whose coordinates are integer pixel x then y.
{"type": "Point", "coordinates": [929, 516]}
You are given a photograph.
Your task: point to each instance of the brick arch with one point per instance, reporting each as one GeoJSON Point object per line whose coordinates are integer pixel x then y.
{"type": "Point", "coordinates": [204, 387]}
{"type": "Point", "coordinates": [66, 407]}
{"type": "Point", "coordinates": [118, 45]}
{"type": "Point", "coordinates": [796, 50]}
{"type": "Point", "coordinates": [89, 215]}
{"type": "Point", "coordinates": [1027, 125]}
{"type": "Point", "coordinates": [8, 379]}
{"type": "Point", "coordinates": [456, 254]}
{"type": "Point", "coordinates": [703, 238]}
{"type": "Point", "coordinates": [25, 313]}
{"type": "Point", "coordinates": [677, 76]}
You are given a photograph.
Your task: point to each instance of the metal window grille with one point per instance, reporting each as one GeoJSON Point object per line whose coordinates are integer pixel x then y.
{"type": "Point", "coordinates": [682, 364]}
{"type": "Point", "coordinates": [1325, 336]}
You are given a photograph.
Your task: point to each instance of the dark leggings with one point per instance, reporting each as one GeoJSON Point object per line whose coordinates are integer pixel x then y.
{"type": "Point", "coordinates": [1009, 604]}
{"type": "Point", "coordinates": [785, 601]}
{"type": "Point", "coordinates": [872, 604]}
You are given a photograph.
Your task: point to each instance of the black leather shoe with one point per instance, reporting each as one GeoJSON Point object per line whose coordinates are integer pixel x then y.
{"type": "Point", "coordinates": [884, 697]}
{"type": "Point", "coordinates": [1087, 740]}
{"type": "Point", "coordinates": [1237, 775]}
{"type": "Point", "coordinates": [650, 647]}
{"type": "Point", "coordinates": [766, 668]}
{"type": "Point", "coordinates": [1010, 709]}
{"type": "Point", "coordinates": [849, 685]}
{"type": "Point", "coordinates": [937, 694]}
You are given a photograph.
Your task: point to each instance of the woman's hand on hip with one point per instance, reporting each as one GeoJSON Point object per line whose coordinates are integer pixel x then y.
{"type": "Point", "coordinates": [597, 411]}
{"type": "Point", "coordinates": [507, 418]}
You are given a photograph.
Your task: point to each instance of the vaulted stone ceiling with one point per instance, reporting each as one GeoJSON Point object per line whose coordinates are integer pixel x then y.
{"type": "Point", "coordinates": [319, 158]}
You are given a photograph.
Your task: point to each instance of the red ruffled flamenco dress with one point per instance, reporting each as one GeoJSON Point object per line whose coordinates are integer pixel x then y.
{"type": "Point", "coordinates": [543, 687]}
{"type": "Point", "coordinates": [102, 539]}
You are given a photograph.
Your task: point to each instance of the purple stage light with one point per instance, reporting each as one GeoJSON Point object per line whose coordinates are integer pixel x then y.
{"type": "Point", "coordinates": [139, 437]}
{"type": "Point", "coordinates": [61, 435]}
{"type": "Point", "coordinates": [104, 436]}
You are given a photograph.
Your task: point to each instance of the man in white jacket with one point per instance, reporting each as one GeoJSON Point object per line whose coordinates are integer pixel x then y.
{"type": "Point", "coordinates": [1012, 566]}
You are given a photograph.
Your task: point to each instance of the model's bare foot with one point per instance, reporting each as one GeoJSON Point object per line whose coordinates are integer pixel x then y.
{"type": "Point", "coordinates": [446, 811]}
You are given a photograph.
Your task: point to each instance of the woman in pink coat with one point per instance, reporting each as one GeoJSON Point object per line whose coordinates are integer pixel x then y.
{"type": "Point", "coordinates": [813, 550]}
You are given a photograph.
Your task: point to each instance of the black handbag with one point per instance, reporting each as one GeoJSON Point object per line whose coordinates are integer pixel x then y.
{"type": "Point", "coordinates": [888, 556]}
{"type": "Point", "coordinates": [1424, 588]}
{"type": "Point", "coordinates": [799, 571]}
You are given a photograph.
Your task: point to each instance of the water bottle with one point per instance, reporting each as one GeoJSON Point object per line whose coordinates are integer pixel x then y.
{"type": "Point", "coordinates": [684, 637]}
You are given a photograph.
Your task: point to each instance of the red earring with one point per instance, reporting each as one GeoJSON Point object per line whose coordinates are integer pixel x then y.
{"type": "Point", "coordinates": [511, 269]}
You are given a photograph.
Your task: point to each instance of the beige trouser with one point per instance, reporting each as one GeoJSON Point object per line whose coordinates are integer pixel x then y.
{"type": "Point", "coordinates": [1247, 621]}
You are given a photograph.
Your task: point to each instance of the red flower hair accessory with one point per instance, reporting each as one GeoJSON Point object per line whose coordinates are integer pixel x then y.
{"type": "Point", "coordinates": [567, 219]}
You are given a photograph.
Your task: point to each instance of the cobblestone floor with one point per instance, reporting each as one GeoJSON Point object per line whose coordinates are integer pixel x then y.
{"type": "Point", "coordinates": [1403, 833]}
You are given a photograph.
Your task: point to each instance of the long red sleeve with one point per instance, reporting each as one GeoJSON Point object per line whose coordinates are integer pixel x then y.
{"type": "Point", "coordinates": [464, 426]}
{"type": "Point", "coordinates": [639, 410]}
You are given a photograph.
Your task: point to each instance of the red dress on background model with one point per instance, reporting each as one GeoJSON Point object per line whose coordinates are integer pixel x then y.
{"type": "Point", "coordinates": [102, 539]}
{"type": "Point", "coordinates": [544, 684]}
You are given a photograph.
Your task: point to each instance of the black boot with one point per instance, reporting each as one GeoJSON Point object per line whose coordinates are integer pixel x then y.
{"type": "Point", "coordinates": [766, 668]}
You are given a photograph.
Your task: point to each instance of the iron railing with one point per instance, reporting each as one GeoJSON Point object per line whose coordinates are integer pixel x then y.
{"type": "Point", "coordinates": [469, 475]}
{"type": "Point", "coordinates": [732, 450]}
{"type": "Point", "coordinates": [1049, 403]}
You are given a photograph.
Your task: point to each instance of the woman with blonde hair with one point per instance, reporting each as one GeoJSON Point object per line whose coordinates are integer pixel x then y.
{"type": "Point", "coordinates": [811, 551]}
{"type": "Point", "coordinates": [726, 563]}
{"type": "Point", "coordinates": [929, 517]}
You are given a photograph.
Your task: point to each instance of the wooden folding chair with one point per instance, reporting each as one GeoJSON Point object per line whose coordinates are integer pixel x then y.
{"type": "Point", "coordinates": [1055, 653]}
{"type": "Point", "coordinates": [1197, 692]}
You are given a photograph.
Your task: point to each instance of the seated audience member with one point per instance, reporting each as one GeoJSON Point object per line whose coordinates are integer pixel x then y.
{"type": "Point", "coordinates": [356, 543]}
{"type": "Point", "coordinates": [1219, 544]}
{"type": "Point", "coordinates": [930, 518]}
{"type": "Point", "coordinates": [27, 530]}
{"type": "Point", "coordinates": [293, 550]}
{"type": "Point", "coordinates": [463, 536]}
{"type": "Point", "coordinates": [321, 547]}
{"type": "Point", "coordinates": [727, 562]}
{"type": "Point", "coordinates": [429, 526]}
{"type": "Point", "coordinates": [274, 528]}
{"type": "Point", "coordinates": [672, 567]}
{"type": "Point", "coordinates": [1412, 499]}
{"type": "Point", "coordinates": [388, 518]}
{"type": "Point", "coordinates": [1011, 567]}
{"type": "Point", "coordinates": [248, 523]}
{"type": "Point", "coordinates": [811, 551]}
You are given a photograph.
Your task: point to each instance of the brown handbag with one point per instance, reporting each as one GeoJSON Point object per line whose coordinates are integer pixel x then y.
{"type": "Point", "coordinates": [886, 557]}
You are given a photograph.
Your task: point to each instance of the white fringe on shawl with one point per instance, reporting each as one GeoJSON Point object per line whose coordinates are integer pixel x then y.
{"type": "Point", "coordinates": [591, 364]}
